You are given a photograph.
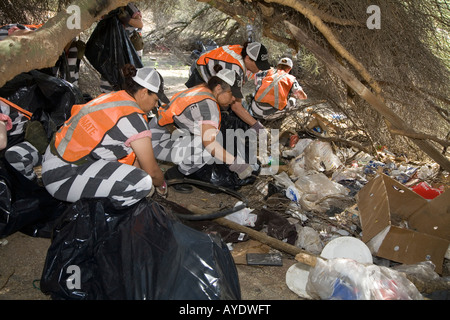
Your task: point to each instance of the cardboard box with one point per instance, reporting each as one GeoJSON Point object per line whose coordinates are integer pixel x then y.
{"type": "Point", "coordinates": [400, 225]}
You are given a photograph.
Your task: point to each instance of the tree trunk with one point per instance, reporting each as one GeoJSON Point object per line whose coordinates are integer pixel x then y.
{"type": "Point", "coordinates": [42, 48]}
{"type": "Point", "coordinates": [365, 93]}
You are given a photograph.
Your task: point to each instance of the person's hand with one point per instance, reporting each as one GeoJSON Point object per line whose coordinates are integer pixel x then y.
{"type": "Point", "coordinates": [243, 170]}
{"type": "Point", "coordinates": [162, 190]}
{"type": "Point", "coordinates": [258, 127]}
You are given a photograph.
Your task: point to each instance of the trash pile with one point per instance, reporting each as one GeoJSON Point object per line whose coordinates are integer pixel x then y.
{"type": "Point", "coordinates": [361, 220]}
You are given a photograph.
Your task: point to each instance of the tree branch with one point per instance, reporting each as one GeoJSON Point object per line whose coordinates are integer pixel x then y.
{"type": "Point", "coordinates": [37, 50]}
{"type": "Point", "coordinates": [309, 12]}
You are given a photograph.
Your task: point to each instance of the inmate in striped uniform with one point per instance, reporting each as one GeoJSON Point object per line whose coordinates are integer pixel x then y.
{"type": "Point", "coordinates": [262, 110]}
{"type": "Point", "coordinates": [184, 146]}
{"type": "Point", "coordinates": [22, 156]}
{"type": "Point", "coordinates": [102, 175]}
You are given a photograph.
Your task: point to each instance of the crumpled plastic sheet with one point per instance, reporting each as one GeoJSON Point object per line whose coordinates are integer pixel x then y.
{"type": "Point", "coordinates": [347, 279]}
{"type": "Point", "coordinates": [136, 253]}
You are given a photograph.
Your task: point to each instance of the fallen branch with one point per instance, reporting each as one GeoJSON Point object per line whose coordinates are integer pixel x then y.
{"type": "Point", "coordinates": [419, 136]}
{"type": "Point", "coordinates": [304, 256]}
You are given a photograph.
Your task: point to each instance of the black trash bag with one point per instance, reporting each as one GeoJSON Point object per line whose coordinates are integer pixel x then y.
{"type": "Point", "coordinates": [135, 253]}
{"type": "Point", "coordinates": [220, 175]}
{"type": "Point", "coordinates": [35, 90]}
{"type": "Point", "coordinates": [109, 49]}
{"type": "Point", "coordinates": [25, 206]}
{"type": "Point", "coordinates": [229, 120]}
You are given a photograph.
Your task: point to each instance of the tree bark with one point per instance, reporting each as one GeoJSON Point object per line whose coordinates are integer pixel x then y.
{"type": "Point", "coordinates": [365, 93]}
{"type": "Point", "coordinates": [42, 48]}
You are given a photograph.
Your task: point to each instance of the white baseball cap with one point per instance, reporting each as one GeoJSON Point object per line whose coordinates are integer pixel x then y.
{"type": "Point", "coordinates": [233, 79]}
{"type": "Point", "coordinates": [150, 79]}
{"type": "Point", "coordinates": [286, 61]}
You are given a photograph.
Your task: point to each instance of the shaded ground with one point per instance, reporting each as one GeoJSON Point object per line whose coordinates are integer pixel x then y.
{"type": "Point", "coordinates": [22, 257]}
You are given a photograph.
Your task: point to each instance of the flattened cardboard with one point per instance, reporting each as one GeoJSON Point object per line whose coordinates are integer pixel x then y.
{"type": "Point", "coordinates": [400, 225]}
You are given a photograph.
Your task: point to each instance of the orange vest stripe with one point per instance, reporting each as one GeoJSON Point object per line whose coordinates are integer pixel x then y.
{"type": "Point", "coordinates": [231, 54]}
{"type": "Point", "coordinates": [26, 113]}
{"type": "Point", "coordinates": [275, 88]}
{"type": "Point", "coordinates": [89, 123]}
{"type": "Point", "coordinates": [181, 101]}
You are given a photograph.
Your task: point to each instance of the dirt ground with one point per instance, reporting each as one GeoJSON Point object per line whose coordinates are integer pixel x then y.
{"type": "Point", "coordinates": [22, 257]}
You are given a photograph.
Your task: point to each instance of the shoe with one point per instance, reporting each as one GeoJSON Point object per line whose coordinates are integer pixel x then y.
{"type": "Point", "coordinates": [172, 174]}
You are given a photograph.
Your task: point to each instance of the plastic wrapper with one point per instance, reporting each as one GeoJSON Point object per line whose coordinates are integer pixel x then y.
{"type": "Point", "coordinates": [347, 279]}
{"type": "Point", "coordinates": [109, 49]}
{"type": "Point", "coordinates": [244, 217]}
{"type": "Point", "coordinates": [319, 156]}
{"type": "Point", "coordinates": [135, 253]}
{"type": "Point", "coordinates": [318, 193]}
{"type": "Point", "coordinates": [427, 191]}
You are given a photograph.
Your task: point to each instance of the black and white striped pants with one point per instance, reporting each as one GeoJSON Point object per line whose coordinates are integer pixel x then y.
{"type": "Point", "coordinates": [24, 157]}
{"type": "Point", "coordinates": [125, 185]}
{"type": "Point", "coordinates": [179, 147]}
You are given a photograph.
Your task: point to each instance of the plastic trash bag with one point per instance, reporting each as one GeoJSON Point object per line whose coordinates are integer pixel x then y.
{"type": "Point", "coordinates": [35, 90]}
{"type": "Point", "coordinates": [25, 206]}
{"type": "Point", "coordinates": [220, 175]}
{"type": "Point", "coordinates": [109, 49]}
{"type": "Point", "coordinates": [136, 253]}
{"type": "Point", "coordinates": [347, 279]}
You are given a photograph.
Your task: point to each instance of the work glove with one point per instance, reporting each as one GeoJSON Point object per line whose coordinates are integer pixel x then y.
{"type": "Point", "coordinates": [243, 170]}
{"type": "Point", "coordinates": [258, 127]}
{"type": "Point", "coordinates": [162, 190]}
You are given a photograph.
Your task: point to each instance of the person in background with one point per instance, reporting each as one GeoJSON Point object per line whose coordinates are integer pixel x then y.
{"type": "Point", "coordinates": [17, 29]}
{"type": "Point", "coordinates": [73, 54]}
{"type": "Point", "coordinates": [131, 18]}
{"type": "Point", "coordinates": [68, 65]}
{"type": "Point", "coordinates": [104, 149]}
{"type": "Point", "coordinates": [275, 89]}
{"type": "Point", "coordinates": [246, 59]}
{"type": "Point", "coordinates": [195, 113]}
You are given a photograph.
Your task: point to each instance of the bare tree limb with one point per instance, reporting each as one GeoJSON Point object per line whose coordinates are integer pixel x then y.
{"type": "Point", "coordinates": [42, 48]}
{"type": "Point", "coordinates": [309, 12]}
{"type": "Point", "coordinates": [375, 102]}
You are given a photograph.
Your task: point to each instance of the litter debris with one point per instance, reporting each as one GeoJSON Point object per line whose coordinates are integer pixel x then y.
{"type": "Point", "coordinates": [427, 191]}
{"type": "Point", "coordinates": [347, 279]}
{"type": "Point", "coordinates": [400, 225]}
{"type": "Point", "coordinates": [349, 248]}
{"type": "Point", "coordinates": [244, 216]}
{"type": "Point", "coordinates": [264, 259]}
{"type": "Point", "coordinates": [297, 278]}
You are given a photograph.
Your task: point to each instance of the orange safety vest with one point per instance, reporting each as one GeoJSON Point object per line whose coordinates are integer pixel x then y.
{"type": "Point", "coordinates": [181, 101]}
{"type": "Point", "coordinates": [230, 54]}
{"type": "Point", "coordinates": [26, 113]}
{"type": "Point", "coordinates": [89, 123]}
{"type": "Point", "coordinates": [275, 88]}
{"type": "Point", "coordinates": [33, 26]}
